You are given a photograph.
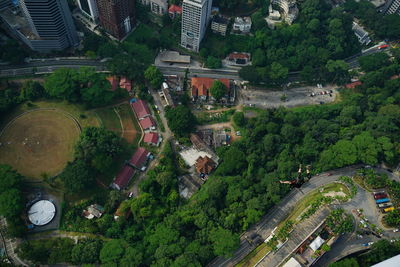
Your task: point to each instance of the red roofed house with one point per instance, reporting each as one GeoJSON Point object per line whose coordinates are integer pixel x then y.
{"type": "Point", "coordinates": [204, 165]}
{"type": "Point", "coordinates": [125, 83]}
{"type": "Point", "coordinates": [238, 58]}
{"type": "Point", "coordinates": [123, 177]}
{"type": "Point", "coordinates": [353, 85]}
{"type": "Point", "coordinates": [152, 139]}
{"type": "Point", "coordinates": [139, 159]}
{"type": "Point", "coordinates": [141, 109]}
{"type": "Point", "coordinates": [113, 81]}
{"type": "Point", "coordinates": [201, 86]}
{"type": "Point", "coordinates": [148, 123]}
{"type": "Point", "coordinates": [174, 10]}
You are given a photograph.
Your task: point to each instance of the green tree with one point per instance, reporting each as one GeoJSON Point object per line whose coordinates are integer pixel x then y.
{"type": "Point", "coordinates": [31, 90]}
{"type": "Point", "coordinates": [239, 119]}
{"type": "Point", "coordinates": [374, 61]}
{"type": "Point", "coordinates": [86, 251]}
{"type": "Point", "coordinates": [62, 84]}
{"type": "Point", "coordinates": [154, 76]}
{"type": "Point", "coordinates": [213, 63]}
{"type": "Point", "coordinates": [77, 176]}
{"type": "Point", "coordinates": [338, 71]}
{"type": "Point", "coordinates": [278, 73]}
{"type": "Point", "coordinates": [180, 120]}
{"type": "Point", "coordinates": [249, 73]}
{"type": "Point", "coordinates": [11, 203]}
{"type": "Point", "coordinates": [350, 262]}
{"type": "Point", "coordinates": [224, 242]}
{"type": "Point", "coordinates": [112, 251]}
{"type": "Point", "coordinates": [218, 90]}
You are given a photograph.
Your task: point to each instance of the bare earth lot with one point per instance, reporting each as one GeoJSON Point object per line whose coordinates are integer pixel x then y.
{"type": "Point", "coordinates": [40, 141]}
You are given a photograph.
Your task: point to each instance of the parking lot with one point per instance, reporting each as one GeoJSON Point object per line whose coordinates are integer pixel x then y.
{"type": "Point", "coordinates": [301, 96]}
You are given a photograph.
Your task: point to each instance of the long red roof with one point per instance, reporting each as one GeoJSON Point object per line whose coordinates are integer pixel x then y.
{"type": "Point", "coordinates": [141, 109]}
{"type": "Point", "coordinates": [151, 138]}
{"type": "Point", "coordinates": [124, 176]}
{"type": "Point", "coordinates": [200, 86]}
{"type": "Point", "coordinates": [139, 158]}
{"type": "Point", "coordinates": [147, 123]}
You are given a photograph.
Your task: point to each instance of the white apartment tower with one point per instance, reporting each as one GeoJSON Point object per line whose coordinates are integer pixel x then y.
{"type": "Point", "coordinates": [195, 18]}
{"type": "Point", "coordinates": [392, 7]}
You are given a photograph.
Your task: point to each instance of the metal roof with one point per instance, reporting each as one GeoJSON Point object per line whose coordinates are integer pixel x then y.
{"type": "Point", "coordinates": [42, 212]}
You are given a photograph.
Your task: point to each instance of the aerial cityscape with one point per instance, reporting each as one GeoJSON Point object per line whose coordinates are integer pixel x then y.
{"type": "Point", "coordinates": [184, 133]}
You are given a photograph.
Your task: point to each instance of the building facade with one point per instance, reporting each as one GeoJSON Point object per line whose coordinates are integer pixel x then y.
{"type": "Point", "coordinates": [392, 7]}
{"type": "Point", "coordinates": [89, 8]}
{"type": "Point", "coordinates": [195, 19]}
{"type": "Point", "coordinates": [117, 17]}
{"type": "Point", "coordinates": [159, 7]}
{"type": "Point", "coordinates": [51, 22]}
{"type": "Point", "coordinates": [219, 25]}
{"type": "Point", "coordinates": [242, 24]}
{"type": "Point", "coordinates": [5, 4]}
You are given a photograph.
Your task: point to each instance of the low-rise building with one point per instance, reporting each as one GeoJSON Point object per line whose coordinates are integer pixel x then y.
{"type": "Point", "coordinates": [140, 158]}
{"type": "Point", "coordinates": [242, 25]}
{"type": "Point", "coordinates": [238, 59]}
{"type": "Point", "coordinates": [174, 11]}
{"type": "Point", "coordinates": [201, 88]}
{"type": "Point", "coordinates": [93, 211]}
{"type": "Point", "coordinates": [123, 177]}
{"type": "Point", "coordinates": [148, 123]}
{"type": "Point", "coordinates": [159, 7]}
{"type": "Point", "coordinates": [362, 35]}
{"type": "Point", "coordinates": [204, 165]}
{"type": "Point", "coordinates": [353, 85]}
{"type": "Point", "coordinates": [152, 139]}
{"type": "Point", "coordinates": [219, 25]}
{"type": "Point", "coordinates": [125, 83]}
{"type": "Point", "coordinates": [141, 109]}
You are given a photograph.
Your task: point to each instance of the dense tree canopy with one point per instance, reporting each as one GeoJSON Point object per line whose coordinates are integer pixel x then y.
{"type": "Point", "coordinates": [154, 76]}
{"type": "Point", "coordinates": [181, 120]}
{"type": "Point", "coordinates": [218, 90]}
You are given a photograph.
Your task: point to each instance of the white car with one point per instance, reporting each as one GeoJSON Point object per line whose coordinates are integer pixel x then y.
{"type": "Point", "coordinates": [395, 230]}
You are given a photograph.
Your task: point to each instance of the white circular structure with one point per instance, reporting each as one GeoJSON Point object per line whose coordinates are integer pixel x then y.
{"type": "Point", "coordinates": [42, 212]}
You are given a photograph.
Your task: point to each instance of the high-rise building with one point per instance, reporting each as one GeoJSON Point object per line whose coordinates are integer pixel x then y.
{"type": "Point", "coordinates": [195, 18]}
{"type": "Point", "coordinates": [392, 7]}
{"type": "Point", "coordinates": [89, 8]}
{"type": "Point", "coordinates": [117, 17]}
{"type": "Point", "coordinates": [158, 7]}
{"type": "Point", "coordinates": [5, 4]}
{"type": "Point", "coordinates": [51, 22]}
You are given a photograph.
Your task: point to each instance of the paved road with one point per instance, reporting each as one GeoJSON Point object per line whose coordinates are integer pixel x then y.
{"type": "Point", "coordinates": [10, 245]}
{"type": "Point", "coordinates": [279, 212]}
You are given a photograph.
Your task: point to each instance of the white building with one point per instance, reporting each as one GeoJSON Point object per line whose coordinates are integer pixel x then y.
{"type": "Point", "coordinates": [361, 34]}
{"type": "Point", "coordinates": [242, 25]}
{"type": "Point", "coordinates": [89, 8]}
{"type": "Point", "coordinates": [195, 18]}
{"type": "Point", "coordinates": [392, 7]}
{"type": "Point", "coordinates": [159, 7]}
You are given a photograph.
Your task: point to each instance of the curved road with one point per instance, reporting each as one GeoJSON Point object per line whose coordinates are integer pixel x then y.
{"type": "Point", "coordinates": [279, 212]}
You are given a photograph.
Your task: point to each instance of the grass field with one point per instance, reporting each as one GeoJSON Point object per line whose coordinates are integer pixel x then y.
{"type": "Point", "coordinates": [39, 142]}
{"type": "Point", "coordinates": [131, 129]}
{"type": "Point", "coordinates": [110, 120]}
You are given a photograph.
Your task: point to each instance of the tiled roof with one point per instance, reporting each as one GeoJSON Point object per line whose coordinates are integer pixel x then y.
{"type": "Point", "coordinates": [151, 138]}
{"type": "Point", "coordinates": [205, 165]}
{"type": "Point", "coordinates": [139, 158]}
{"type": "Point", "coordinates": [175, 9]}
{"type": "Point", "coordinates": [124, 176]}
{"type": "Point", "coordinates": [113, 81]}
{"type": "Point", "coordinates": [200, 86]}
{"type": "Point", "coordinates": [141, 109]}
{"type": "Point", "coordinates": [147, 123]}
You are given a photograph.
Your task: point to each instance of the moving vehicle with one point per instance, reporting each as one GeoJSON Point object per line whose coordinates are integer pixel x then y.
{"type": "Point", "coordinates": [383, 46]}
{"type": "Point", "coordinates": [382, 200]}
{"type": "Point", "coordinates": [388, 210]}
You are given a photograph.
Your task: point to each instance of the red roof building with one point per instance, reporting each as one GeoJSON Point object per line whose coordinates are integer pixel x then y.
{"type": "Point", "coordinates": [353, 85]}
{"type": "Point", "coordinates": [174, 10]}
{"type": "Point", "coordinates": [147, 123]}
{"type": "Point", "coordinates": [141, 109]}
{"type": "Point", "coordinates": [205, 165]}
{"type": "Point", "coordinates": [139, 159]}
{"type": "Point", "coordinates": [201, 86]}
{"type": "Point", "coordinates": [113, 81]}
{"type": "Point", "coordinates": [125, 83]}
{"type": "Point", "coordinates": [151, 138]}
{"type": "Point", "coordinates": [123, 177]}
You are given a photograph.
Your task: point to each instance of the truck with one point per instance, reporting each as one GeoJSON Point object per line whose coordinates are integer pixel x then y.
{"type": "Point", "coordinates": [380, 195]}
{"type": "Point", "coordinates": [382, 200]}
{"type": "Point", "coordinates": [385, 205]}
{"type": "Point", "coordinates": [388, 210]}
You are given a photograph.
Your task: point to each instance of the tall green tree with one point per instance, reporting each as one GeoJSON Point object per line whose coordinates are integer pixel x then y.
{"type": "Point", "coordinates": [154, 76]}
{"type": "Point", "coordinates": [218, 90]}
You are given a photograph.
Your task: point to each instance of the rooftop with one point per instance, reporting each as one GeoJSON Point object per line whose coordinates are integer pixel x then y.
{"type": "Point", "coordinates": [173, 56]}
{"type": "Point", "coordinates": [139, 158]}
{"type": "Point", "coordinates": [147, 123]}
{"type": "Point", "coordinates": [141, 109]}
{"type": "Point", "coordinates": [242, 20]}
{"type": "Point", "coordinates": [200, 86]}
{"type": "Point", "coordinates": [175, 9]}
{"type": "Point", "coordinates": [18, 22]}
{"type": "Point", "coordinates": [220, 20]}
{"type": "Point", "coordinates": [205, 165]}
{"type": "Point", "coordinates": [151, 138]}
{"type": "Point", "coordinates": [123, 177]}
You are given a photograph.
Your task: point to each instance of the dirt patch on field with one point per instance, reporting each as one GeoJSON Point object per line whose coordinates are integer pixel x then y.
{"type": "Point", "coordinates": [38, 142]}
{"type": "Point", "coordinates": [129, 131]}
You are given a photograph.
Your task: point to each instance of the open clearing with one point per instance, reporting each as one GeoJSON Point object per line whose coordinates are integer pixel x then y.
{"type": "Point", "coordinates": [38, 142]}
